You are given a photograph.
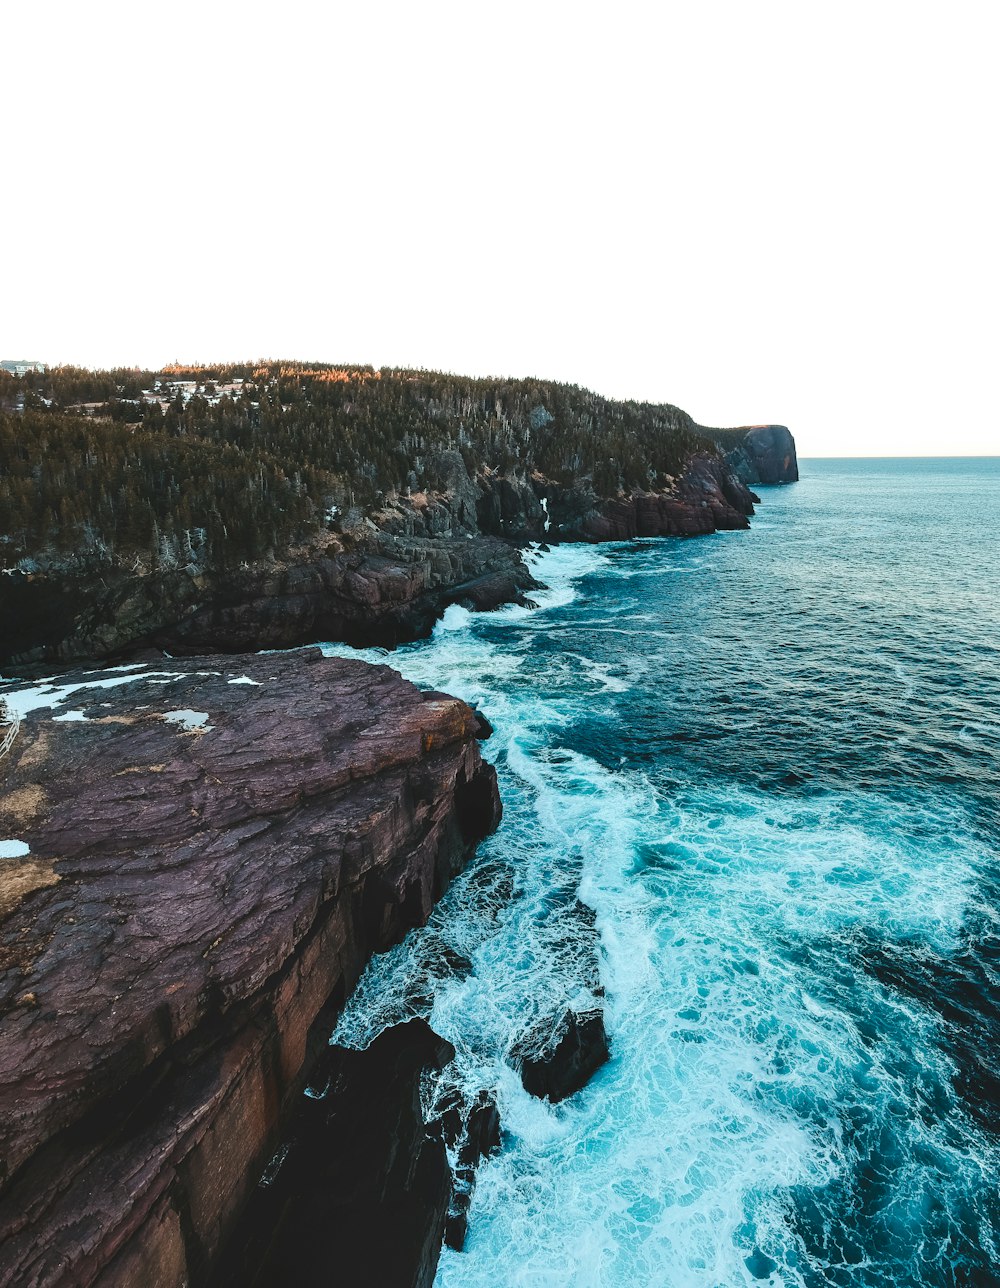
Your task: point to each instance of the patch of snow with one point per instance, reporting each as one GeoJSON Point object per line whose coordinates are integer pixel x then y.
{"type": "Point", "coordinates": [70, 715]}
{"type": "Point", "coordinates": [14, 849]}
{"type": "Point", "coordinates": [189, 719]}
{"type": "Point", "coordinates": [49, 693]}
{"type": "Point", "coordinates": [243, 679]}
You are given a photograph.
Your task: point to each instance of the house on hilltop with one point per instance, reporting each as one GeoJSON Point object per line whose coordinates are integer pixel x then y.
{"type": "Point", "coordinates": [21, 367]}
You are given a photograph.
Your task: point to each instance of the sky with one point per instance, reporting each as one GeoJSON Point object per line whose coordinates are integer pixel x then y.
{"type": "Point", "coordinates": [758, 211]}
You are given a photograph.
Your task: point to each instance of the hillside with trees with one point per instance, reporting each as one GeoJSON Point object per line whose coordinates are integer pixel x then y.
{"type": "Point", "coordinates": [225, 465]}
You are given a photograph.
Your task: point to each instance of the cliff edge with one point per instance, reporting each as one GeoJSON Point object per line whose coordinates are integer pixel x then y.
{"type": "Point", "coordinates": [199, 859]}
{"type": "Point", "coordinates": [382, 579]}
{"type": "Point", "coordinates": [763, 454]}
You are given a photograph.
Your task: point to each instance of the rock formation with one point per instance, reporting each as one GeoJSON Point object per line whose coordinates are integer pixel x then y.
{"type": "Point", "coordinates": [558, 1053]}
{"type": "Point", "coordinates": [359, 1191]}
{"type": "Point", "coordinates": [368, 589]}
{"type": "Point", "coordinates": [472, 1130]}
{"type": "Point", "coordinates": [216, 849]}
{"type": "Point", "coordinates": [382, 581]}
{"type": "Point", "coordinates": [559, 1062]}
{"type": "Point", "coordinates": [759, 453]}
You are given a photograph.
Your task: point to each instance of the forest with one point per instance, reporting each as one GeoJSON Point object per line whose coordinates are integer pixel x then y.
{"type": "Point", "coordinates": [222, 465]}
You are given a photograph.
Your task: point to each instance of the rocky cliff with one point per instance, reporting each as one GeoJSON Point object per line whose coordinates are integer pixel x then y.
{"type": "Point", "coordinates": [214, 850]}
{"type": "Point", "coordinates": [762, 454]}
{"type": "Point", "coordinates": [383, 579]}
{"type": "Point", "coordinates": [361, 587]}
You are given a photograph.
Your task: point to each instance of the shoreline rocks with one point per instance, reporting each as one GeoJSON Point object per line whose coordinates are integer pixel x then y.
{"type": "Point", "coordinates": [762, 454]}
{"type": "Point", "coordinates": [210, 891]}
{"type": "Point", "coordinates": [383, 582]}
{"type": "Point", "coordinates": [359, 1192]}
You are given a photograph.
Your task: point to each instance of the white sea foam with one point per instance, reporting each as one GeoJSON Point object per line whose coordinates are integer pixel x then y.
{"type": "Point", "coordinates": [727, 919]}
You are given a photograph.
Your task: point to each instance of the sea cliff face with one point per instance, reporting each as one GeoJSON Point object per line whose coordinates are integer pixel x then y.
{"type": "Point", "coordinates": [215, 851]}
{"type": "Point", "coordinates": [762, 454]}
{"type": "Point", "coordinates": [382, 580]}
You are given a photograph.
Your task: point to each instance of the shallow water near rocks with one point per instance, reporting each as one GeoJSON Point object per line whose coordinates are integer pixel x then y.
{"type": "Point", "coordinates": [769, 762]}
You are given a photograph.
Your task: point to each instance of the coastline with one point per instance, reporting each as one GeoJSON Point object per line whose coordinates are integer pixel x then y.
{"type": "Point", "coordinates": [451, 613]}
{"type": "Point", "coordinates": [384, 583]}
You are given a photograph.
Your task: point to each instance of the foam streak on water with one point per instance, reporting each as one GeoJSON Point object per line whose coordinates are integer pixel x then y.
{"type": "Point", "coordinates": [767, 761]}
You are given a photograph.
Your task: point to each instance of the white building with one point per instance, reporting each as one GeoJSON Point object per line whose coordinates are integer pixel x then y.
{"type": "Point", "coordinates": [21, 367]}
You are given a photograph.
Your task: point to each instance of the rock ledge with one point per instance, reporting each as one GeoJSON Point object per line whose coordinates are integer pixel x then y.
{"type": "Point", "coordinates": [203, 894]}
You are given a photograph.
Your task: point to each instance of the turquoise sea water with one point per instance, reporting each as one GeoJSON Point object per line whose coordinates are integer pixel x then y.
{"type": "Point", "coordinates": [769, 762]}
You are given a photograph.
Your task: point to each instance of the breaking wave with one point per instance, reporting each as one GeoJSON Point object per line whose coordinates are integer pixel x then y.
{"type": "Point", "coordinates": [766, 762]}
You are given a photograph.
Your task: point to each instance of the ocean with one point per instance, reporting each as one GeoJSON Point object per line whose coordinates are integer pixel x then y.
{"type": "Point", "coordinates": [768, 761]}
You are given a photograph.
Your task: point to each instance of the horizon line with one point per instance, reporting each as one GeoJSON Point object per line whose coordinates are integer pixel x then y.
{"type": "Point", "coordinates": [951, 456]}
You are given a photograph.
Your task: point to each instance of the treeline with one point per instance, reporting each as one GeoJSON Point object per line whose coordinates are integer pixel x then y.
{"type": "Point", "coordinates": [74, 486]}
{"type": "Point", "coordinates": [175, 465]}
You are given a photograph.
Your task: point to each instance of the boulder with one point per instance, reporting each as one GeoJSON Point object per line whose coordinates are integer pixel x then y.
{"type": "Point", "coordinates": [556, 1062]}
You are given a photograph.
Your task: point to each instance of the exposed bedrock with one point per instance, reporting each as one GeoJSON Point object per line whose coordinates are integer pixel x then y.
{"type": "Point", "coordinates": [196, 905]}
{"type": "Point", "coordinates": [704, 498]}
{"type": "Point", "coordinates": [382, 581]}
{"type": "Point", "coordinates": [761, 454]}
{"type": "Point", "coordinates": [362, 1189]}
{"type": "Point", "coordinates": [378, 589]}
{"type": "Point", "coordinates": [707, 498]}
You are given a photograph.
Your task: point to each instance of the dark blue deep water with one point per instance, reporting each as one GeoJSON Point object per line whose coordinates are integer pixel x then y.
{"type": "Point", "coordinates": [769, 762]}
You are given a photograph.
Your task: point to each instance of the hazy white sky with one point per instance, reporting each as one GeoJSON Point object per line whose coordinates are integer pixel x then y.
{"type": "Point", "coordinates": [759, 211]}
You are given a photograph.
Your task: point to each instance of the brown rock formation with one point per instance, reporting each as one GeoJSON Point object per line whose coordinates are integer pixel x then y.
{"type": "Point", "coordinates": [385, 581]}
{"type": "Point", "coordinates": [360, 1189]}
{"type": "Point", "coordinates": [759, 453]}
{"type": "Point", "coordinates": [206, 900]}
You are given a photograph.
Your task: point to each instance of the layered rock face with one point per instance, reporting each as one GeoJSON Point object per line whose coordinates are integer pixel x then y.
{"type": "Point", "coordinates": [215, 851]}
{"type": "Point", "coordinates": [705, 498]}
{"type": "Point", "coordinates": [380, 581]}
{"type": "Point", "coordinates": [372, 589]}
{"type": "Point", "coordinates": [761, 454]}
{"type": "Point", "coordinates": [362, 1185]}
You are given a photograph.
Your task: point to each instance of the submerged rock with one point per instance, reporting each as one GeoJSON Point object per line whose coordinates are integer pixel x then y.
{"type": "Point", "coordinates": [197, 904]}
{"type": "Point", "coordinates": [558, 1052]}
